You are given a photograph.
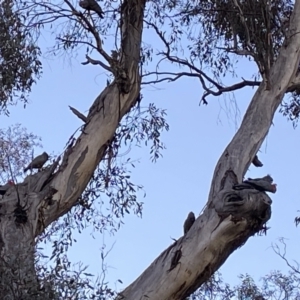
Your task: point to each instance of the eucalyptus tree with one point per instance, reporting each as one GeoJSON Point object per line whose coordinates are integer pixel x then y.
{"type": "Point", "coordinates": [213, 35]}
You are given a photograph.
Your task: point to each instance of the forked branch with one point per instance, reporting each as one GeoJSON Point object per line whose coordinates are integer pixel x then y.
{"type": "Point", "coordinates": [207, 91]}
{"type": "Point", "coordinates": [214, 87]}
{"type": "Point", "coordinates": [212, 238]}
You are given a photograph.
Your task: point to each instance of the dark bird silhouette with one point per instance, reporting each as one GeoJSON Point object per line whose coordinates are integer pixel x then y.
{"type": "Point", "coordinates": [92, 5]}
{"type": "Point", "coordinates": [264, 184]}
{"type": "Point", "coordinates": [256, 162]}
{"type": "Point", "coordinates": [5, 187]}
{"type": "Point", "coordinates": [38, 162]}
{"type": "Point", "coordinates": [188, 222]}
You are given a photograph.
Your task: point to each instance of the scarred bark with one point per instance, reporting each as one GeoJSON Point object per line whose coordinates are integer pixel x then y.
{"type": "Point", "coordinates": [103, 118]}
{"type": "Point", "coordinates": [204, 248]}
{"type": "Point", "coordinates": [228, 220]}
{"type": "Point", "coordinates": [46, 196]}
{"type": "Point", "coordinates": [20, 215]}
{"type": "Point", "coordinates": [212, 238]}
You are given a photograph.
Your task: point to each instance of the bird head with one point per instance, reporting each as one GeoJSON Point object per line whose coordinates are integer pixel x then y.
{"type": "Point", "coordinates": [10, 182]}
{"type": "Point", "coordinates": [191, 216]}
{"type": "Point", "coordinates": [274, 187]}
{"type": "Point", "coordinates": [268, 178]}
{"type": "Point", "coordinates": [45, 154]}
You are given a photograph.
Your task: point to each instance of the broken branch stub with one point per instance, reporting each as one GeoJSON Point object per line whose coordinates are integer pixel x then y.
{"type": "Point", "coordinates": [250, 205]}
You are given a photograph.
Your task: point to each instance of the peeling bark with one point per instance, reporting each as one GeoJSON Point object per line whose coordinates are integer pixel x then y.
{"type": "Point", "coordinates": [228, 220]}
{"type": "Point", "coordinates": [239, 215]}
{"type": "Point", "coordinates": [103, 118]}
{"type": "Point", "coordinates": [42, 198]}
{"type": "Point", "coordinates": [20, 209]}
{"type": "Point", "coordinates": [225, 225]}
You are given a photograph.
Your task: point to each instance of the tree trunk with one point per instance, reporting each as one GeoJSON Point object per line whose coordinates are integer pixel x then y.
{"type": "Point", "coordinates": [18, 226]}
{"type": "Point", "coordinates": [47, 195]}
{"type": "Point", "coordinates": [229, 218]}
{"type": "Point", "coordinates": [28, 208]}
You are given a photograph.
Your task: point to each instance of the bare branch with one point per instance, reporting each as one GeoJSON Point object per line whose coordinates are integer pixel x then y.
{"type": "Point", "coordinates": [231, 88]}
{"type": "Point", "coordinates": [241, 52]}
{"type": "Point", "coordinates": [79, 114]}
{"type": "Point", "coordinates": [176, 76]}
{"type": "Point", "coordinates": [104, 116]}
{"type": "Point", "coordinates": [198, 73]}
{"type": "Point", "coordinates": [179, 60]}
{"type": "Point", "coordinates": [212, 233]}
{"type": "Point", "coordinates": [282, 254]}
{"type": "Point", "coordinates": [208, 91]}
{"type": "Point", "coordinates": [96, 62]}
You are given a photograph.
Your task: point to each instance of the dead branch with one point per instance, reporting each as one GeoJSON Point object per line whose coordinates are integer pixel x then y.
{"type": "Point", "coordinates": [89, 60]}
{"type": "Point", "coordinates": [79, 114]}
{"type": "Point", "coordinates": [231, 88]}
{"type": "Point", "coordinates": [198, 73]}
{"type": "Point", "coordinates": [282, 255]}
{"type": "Point", "coordinates": [208, 91]}
{"type": "Point", "coordinates": [177, 59]}
{"type": "Point", "coordinates": [90, 28]}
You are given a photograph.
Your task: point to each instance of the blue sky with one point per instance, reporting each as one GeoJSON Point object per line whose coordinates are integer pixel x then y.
{"type": "Point", "coordinates": [179, 182]}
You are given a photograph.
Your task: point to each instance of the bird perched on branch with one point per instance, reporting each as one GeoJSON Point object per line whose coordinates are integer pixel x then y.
{"type": "Point", "coordinates": [264, 184]}
{"type": "Point", "coordinates": [5, 187]}
{"type": "Point", "coordinates": [256, 162]}
{"type": "Point", "coordinates": [38, 162]}
{"type": "Point", "coordinates": [188, 222]}
{"type": "Point", "coordinates": [92, 5]}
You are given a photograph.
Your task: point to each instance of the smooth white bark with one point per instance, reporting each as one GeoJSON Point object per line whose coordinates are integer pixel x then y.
{"type": "Point", "coordinates": [204, 248]}
{"type": "Point", "coordinates": [209, 242]}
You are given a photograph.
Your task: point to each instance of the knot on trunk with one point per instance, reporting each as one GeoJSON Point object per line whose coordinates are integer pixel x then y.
{"type": "Point", "coordinates": [252, 205]}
